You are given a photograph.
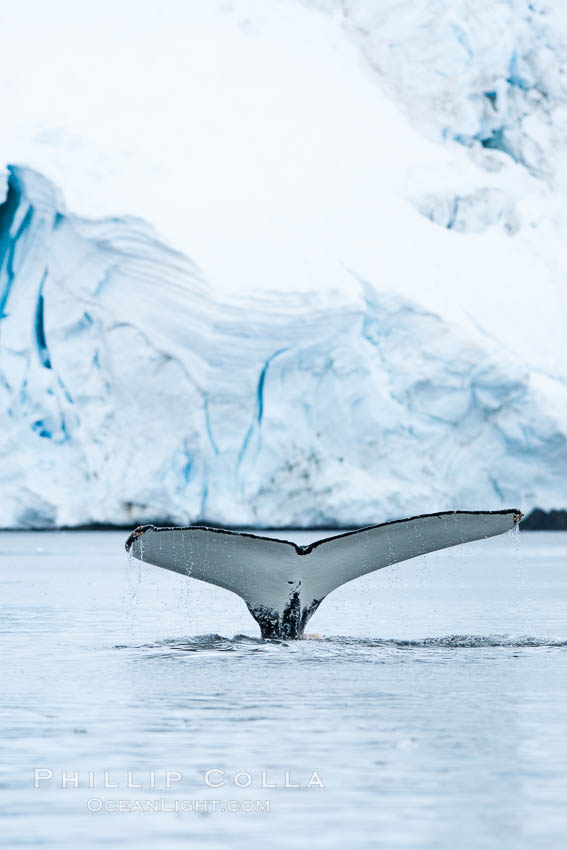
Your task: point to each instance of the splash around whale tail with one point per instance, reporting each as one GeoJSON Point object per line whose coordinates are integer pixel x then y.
{"type": "Point", "coordinates": [284, 584]}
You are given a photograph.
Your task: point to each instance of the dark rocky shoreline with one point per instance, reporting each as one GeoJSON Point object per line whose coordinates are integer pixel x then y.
{"type": "Point", "coordinates": [536, 520]}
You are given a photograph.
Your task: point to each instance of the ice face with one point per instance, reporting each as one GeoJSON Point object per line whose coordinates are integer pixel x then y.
{"type": "Point", "coordinates": [486, 76]}
{"type": "Point", "coordinates": [130, 391]}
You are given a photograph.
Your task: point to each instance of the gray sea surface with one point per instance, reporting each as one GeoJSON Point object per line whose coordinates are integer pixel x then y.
{"type": "Point", "coordinates": [431, 714]}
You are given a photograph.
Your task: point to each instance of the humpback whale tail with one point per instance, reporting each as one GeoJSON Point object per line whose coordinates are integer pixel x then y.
{"type": "Point", "coordinates": [284, 584]}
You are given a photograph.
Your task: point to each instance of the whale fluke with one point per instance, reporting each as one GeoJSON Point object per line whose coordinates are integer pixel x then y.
{"type": "Point", "coordinates": [283, 584]}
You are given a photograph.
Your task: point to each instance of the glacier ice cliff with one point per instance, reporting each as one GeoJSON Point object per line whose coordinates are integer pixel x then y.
{"type": "Point", "coordinates": [487, 74]}
{"type": "Point", "coordinates": [130, 391]}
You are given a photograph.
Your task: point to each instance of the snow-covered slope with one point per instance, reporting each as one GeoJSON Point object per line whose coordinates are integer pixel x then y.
{"type": "Point", "coordinates": [130, 391]}
{"type": "Point", "coordinates": [488, 73]}
{"type": "Point", "coordinates": [312, 267]}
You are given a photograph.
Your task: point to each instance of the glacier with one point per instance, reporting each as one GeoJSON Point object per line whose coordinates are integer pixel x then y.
{"type": "Point", "coordinates": [487, 74]}
{"type": "Point", "coordinates": [131, 391]}
{"type": "Point", "coordinates": [296, 263]}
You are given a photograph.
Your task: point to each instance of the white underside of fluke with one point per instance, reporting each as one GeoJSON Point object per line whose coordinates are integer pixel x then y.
{"type": "Point", "coordinates": [283, 584]}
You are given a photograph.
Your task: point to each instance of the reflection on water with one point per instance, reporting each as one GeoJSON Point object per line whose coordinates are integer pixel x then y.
{"type": "Point", "coordinates": [433, 707]}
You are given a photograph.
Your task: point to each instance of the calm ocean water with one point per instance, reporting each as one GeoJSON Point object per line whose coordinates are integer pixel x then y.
{"type": "Point", "coordinates": [432, 714]}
